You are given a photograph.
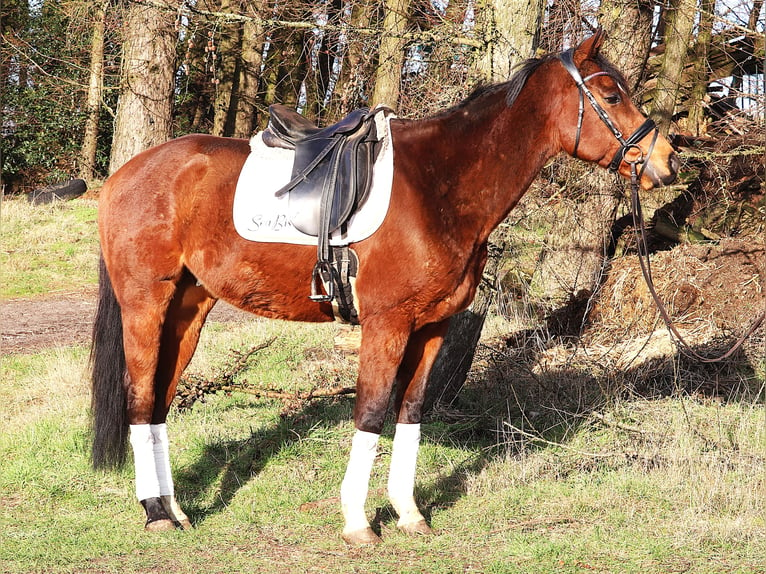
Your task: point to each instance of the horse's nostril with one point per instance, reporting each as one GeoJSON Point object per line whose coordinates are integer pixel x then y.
{"type": "Point", "coordinates": [675, 163]}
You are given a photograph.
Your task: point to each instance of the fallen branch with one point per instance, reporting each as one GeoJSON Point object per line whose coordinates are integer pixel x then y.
{"type": "Point", "coordinates": [192, 388]}
{"type": "Point", "coordinates": [288, 396]}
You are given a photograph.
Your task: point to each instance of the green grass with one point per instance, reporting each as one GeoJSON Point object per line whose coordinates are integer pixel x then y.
{"type": "Point", "coordinates": [47, 249]}
{"type": "Point", "coordinates": [536, 470]}
{"type": "Point", "coordinates": [683, 490]}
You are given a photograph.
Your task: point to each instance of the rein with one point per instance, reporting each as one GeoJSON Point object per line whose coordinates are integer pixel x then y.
{"type": "Point", "coordinates": [646, 271]}
{"type": "Point", "coordinates": [638, 219]}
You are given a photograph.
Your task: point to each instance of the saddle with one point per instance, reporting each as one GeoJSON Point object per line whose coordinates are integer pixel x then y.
{"type": "Point", "coordinates": [330, 180]}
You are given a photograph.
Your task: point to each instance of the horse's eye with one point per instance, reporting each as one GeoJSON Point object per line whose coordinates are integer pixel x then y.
{"type": "Point", "coordinates": [613, 99]}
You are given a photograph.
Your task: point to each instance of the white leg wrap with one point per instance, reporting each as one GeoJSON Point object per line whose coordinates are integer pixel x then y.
{"type": "Point", "coordinates": [147, 483]}
{"type": "Point", "coordinates": [353, 490]}
{"type": "Point", "coordinates": [401, 478]}
{"type": "Point", "coordinates": [162, 458]}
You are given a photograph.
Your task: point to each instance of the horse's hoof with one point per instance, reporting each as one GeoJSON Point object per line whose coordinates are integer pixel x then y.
{"type": "Point", "coordinates": [184, 524]}
{"type": "Point", "coordinates": [419, 528]}
{"type": "Point", "coordinates": [363, 537]}
{"type": "Point", "coordinates": [162, 525]}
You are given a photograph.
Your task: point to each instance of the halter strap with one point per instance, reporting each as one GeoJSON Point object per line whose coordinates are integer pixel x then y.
{"type": "Point", "coordinates": [567, 59]}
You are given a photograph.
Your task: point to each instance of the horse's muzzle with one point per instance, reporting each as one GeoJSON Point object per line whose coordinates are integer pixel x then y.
{"type": "Point", "coordinates": [664, 176]}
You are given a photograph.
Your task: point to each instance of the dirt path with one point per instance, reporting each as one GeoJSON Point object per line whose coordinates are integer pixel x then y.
{"type": "Point", "coordinates": [29, 325]}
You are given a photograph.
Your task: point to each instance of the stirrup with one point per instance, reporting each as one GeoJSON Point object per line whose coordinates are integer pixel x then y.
{"type": "Point", "coordinates": [322, 268]}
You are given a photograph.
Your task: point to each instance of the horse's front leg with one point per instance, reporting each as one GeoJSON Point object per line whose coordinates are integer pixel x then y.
{"type": "Point", "coordinates": [380, 355]}
{"type": "Point", "coordinates": [412, 380]}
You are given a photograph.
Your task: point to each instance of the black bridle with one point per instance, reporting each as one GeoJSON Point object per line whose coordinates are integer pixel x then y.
{"type": "Point", "coordinates": [625, 144]}
{"type": "Point", "coordinates": [638, 220]}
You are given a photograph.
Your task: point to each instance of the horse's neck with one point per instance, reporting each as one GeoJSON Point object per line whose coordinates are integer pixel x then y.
{"type": "Point", "coordinates": [478, 160]}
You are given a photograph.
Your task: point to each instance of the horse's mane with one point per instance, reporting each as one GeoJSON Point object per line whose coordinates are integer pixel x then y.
{"type": "Point", "coordinates": [527, 68]}
{"type": "Point", "coordinates": [512, 88]}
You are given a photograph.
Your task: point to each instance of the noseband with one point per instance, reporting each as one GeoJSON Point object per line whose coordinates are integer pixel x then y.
{"type": "Point", "coordinates": [625, 144]}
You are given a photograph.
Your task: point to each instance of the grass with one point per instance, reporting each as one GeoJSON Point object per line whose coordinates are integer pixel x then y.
{"type": "Point", "coordinates": [653, 485]}
{"type": "Point", "coordinates": [47, 248]}
{"type": "Point", "coordinates": [543, 467]}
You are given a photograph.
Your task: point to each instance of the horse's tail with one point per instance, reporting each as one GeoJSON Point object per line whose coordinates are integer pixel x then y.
{"type": "Point", "coordinates": [108, 372]}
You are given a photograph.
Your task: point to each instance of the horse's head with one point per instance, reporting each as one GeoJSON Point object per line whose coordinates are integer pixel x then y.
{"type": "Point", "coordinates": [601, 124]}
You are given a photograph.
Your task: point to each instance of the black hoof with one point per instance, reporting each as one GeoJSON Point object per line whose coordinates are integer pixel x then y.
{"type": "Point", "coordinates": [157, 519]}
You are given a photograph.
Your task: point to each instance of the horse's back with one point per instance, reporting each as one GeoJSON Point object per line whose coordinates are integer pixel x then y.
{"type": "Point", "coordinates": [172, 177]}
{"type": "Point", "coordinates": [167, 160]}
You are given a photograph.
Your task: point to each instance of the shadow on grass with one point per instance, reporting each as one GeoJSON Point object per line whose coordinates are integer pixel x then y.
{"type": "Point", "coordinates": [232, 463]}
{"type": "Point", "coordinates": [508, 407]}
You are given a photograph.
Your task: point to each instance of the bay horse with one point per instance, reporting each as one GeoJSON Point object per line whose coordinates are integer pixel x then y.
{"type": "Point", "coordinates": [169, 251]}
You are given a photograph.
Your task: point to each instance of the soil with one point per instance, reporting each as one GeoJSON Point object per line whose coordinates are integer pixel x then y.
{"type": "Point", "coordinates": [709, 286]}
{"type": "Point", "coordinates": [30, 325]}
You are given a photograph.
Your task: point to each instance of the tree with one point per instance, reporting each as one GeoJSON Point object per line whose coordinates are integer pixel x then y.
{"type": "Point", "coordinates": [628, 27]}
{"type": "Point", "coordinates": [225, 52]}
{"type": "Point", "coordinates": [388, 76]}
{"type": "Point", "coordinates": [679, 23]}
{"type": "Point", "coordinates": [144, 111]}
{"type": "Point", "coordinates": [697, 123]}
{"type": "Point", "coordinates": [89, 147]}
{"type": "Point", "coordinates": [513, 28]}
{"type": "Point", "coordinates": [249, 72]}
{"type": "Point", "coordinates": [44, 55]}
{"type": "Point", "coordinates": [356, 72]}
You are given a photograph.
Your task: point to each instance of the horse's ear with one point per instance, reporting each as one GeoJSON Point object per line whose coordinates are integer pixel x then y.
{"type": "Point", "coordinates": [590, 47]}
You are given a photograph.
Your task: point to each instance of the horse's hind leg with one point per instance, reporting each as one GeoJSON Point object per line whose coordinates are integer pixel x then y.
{"type": "Point", "coordinates": [161, 330]}
{"type": "Point", "coordinates": [185, 317]}
{"type": "Point", "coordinates": [183, 323]}
{"type": "Point", "coordinates": [144, 308]}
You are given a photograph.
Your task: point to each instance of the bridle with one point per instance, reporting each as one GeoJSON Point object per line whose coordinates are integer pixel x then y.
{"type": "Point", "coordinates": [567, 59]}
{"type": "Point", "coordinates": [626, 145]}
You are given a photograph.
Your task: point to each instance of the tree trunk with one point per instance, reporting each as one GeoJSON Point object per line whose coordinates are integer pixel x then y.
{"type": "Point", "coordinates": [696, 123]}
{"type": "Point", "coordinates": [249, 73]}
{"type": "Point", "coordinates": [357, 68]}
{"type": "Point", "coordinates": [628, 27]}
{"type": "Point", "coordinates": [679, 23]}
{"type": "Point", "coordinates": [514, 28]}
{"type": "Point", "coordinates": [391, 54]}
{"type": "Point", "coordinates": [93, 98]}
{"type": "Point", "coordinates": [225, 54]}
{"type": "Point", "coordinates": [144, 110]}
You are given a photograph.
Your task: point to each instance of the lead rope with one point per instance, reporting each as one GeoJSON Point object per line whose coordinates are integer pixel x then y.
{"type": "Point", "coordinates": [646, 270]}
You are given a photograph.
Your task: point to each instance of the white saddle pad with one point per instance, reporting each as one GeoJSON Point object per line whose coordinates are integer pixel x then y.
{"type": "Point", "coordinates": [261, 216]}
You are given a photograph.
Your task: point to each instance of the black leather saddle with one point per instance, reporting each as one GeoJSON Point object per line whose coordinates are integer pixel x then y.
{"type": "Point", "coordinates": [331, 175]}
{"type": "Point", "coordinates": [332, 167]}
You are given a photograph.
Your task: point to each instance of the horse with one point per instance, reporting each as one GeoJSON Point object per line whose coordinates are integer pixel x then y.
{"type": "Point", "coordinates": [169, 252]}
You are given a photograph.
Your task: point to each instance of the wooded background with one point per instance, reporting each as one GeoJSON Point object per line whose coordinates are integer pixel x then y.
{"type": "Point", "coordinates": [86, 84]}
